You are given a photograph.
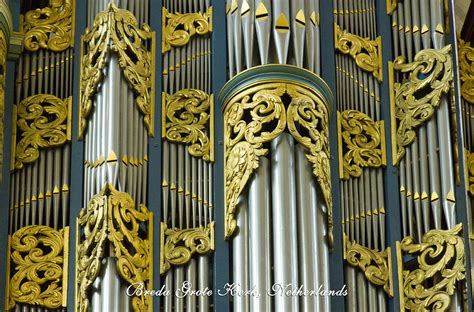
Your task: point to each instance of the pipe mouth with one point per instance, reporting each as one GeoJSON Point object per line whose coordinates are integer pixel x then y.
{"type": "Point", "coordinates": [282, 73]}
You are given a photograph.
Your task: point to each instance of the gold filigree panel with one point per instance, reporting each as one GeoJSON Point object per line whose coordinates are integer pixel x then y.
{"type": "Point", "coordinates": [178, 28]}
{"type": "Point", "coordinates": [188, 118]}
{"type": "Point", "coordinates": [51, 27]}
{"type": "Point", "coordinates": [361, 143]}
{"type": "Point", "coordinates": [111, 218]}
{"type": "Point", "coordinates": [117, 30]}
{"type": "Point", "coordinates": [466, 70]}
{"type": "Point", "coordinates": [414, 101]}
{"type": "Point", "coordinates": [375, 264]}
{"type": "Point", "coordinates": [42, 121]}
{"type": "Point", "coordinates": [178, 246]}
{"type": "Point", "coordinates": [366, 53]}
{"type": "Point", "coordinates": [441, 263]}
{"type": "Point", "coordinates": [258, 115]}
{"type": "Point", "coordinates": [38, 263]}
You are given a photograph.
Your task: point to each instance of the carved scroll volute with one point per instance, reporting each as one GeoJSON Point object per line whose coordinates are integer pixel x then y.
{"type": "Point", "coordinates": [466, 70]}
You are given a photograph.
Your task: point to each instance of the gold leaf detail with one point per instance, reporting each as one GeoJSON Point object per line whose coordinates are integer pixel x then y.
{"type": "Point", "coordinates": [466, 70]}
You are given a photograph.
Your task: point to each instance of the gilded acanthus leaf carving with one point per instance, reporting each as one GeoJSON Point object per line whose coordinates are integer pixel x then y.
{"type": "Point", "coordinates": [466, 70]}
{"type": "Point", "coordinates": [42, 121]}
{"type": "Point", "coordinates": [116, 30]}
{"type": "Point", "coordinates": [51, 27]}
{"type": "Point", "coordinates": [367, 53]}
{"type": "Point", "coordinates": [441, 264]}
{"type": "Point", "coordinates": [414, 101]}
{"type": "Point", "coordinates": [362, 143]}
{"type": "Point", "coordinates": [178, 28]}
{"type": "Point", "coordinates": [189, 119]}
{"type": "Point", "coordinates": [179, 245]}
{"type": "Point", "coordinates": [38, 259]}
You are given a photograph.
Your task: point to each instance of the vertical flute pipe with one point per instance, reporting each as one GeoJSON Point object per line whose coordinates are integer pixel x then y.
{"type": "Point", "coordinates": [240, 257]}
{"type": "Point", "coordinates": [284, 219]}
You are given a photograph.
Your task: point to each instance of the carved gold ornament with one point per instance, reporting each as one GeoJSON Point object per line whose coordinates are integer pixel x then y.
{"type": "Point", "coordinates": [51, 27]}
{"type": "Point", "coordinates": [466, 70]}
{"type": "Point", "coordinates": [375, 264]}
{"type": "Point", "coordinates": [178, 28]}
{"type": "Point", "coordinates": [42, 121]}
{"type": "Point", "coordinates": [361, 143]}
{"type": "Point", "coordinates": [414, 101]}
{"type": "Point", "coordinates": [470, 172]}
{"type": "Point", "coordinates": [116, 30]}
{"type": "Point", "coordinates": [366, 53]}
{"type": "Point", "coordinates": [38, 265]}
{"type": "Point", "coordinates": [258, 115]}
{"type": "Point", "coordinates": [188, 117]}
{"type": "Point", "coordinates": [441, 264]}
{"type": "Point", "coordinates": [178, 246]}
{"type": "Point", "coordinates": [110, 218]}
{"type": "Point", "coordinates": [391, 6]}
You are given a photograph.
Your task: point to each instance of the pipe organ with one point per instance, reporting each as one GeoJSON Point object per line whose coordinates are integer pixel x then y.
{"type": "Point", "coordinates": [268, 155]}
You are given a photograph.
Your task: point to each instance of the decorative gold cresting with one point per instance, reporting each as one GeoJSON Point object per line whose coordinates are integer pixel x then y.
{"type": "Point", "coordinates": [116, 30]}
{"type": "Point", "coordinates": [42, 121]}
{"type": "Point", "coordinates": [188, 118]}
{"type": "Point", "coordinates": [258, 115]}
{"type": "Point", "coordinates": [466, 70]}
{"type": "Point", "coordinates": [414, 101]}
{"type": "Point", "coordinates": [178, 28]}
{"type": "Point", "coordinates": [375, 264]}
{"type": "Point", "coordinates": [51, 27]}
{"type": "Point", "coordinates": [38, 263]}
{"type": "Point", "coordinates": [178, 246]}
{"type": "Point", "coordinates": [366, 53]}
{"type": "Point", "coordinates": [111, 218]}
{"type": "Point", "coordinates": [441, 264]}
{"type": "Point", "coordinates": [361, 142]}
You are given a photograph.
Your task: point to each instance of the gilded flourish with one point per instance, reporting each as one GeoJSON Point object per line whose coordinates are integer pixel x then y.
{"type": "Point", "coordinates": [111, 217]}
{"type": "Point", "coordinates": [366, 53]}
{"type": "Point", "coordinates": [51, 27]}
{"type": "Point", "coordinates": [441, 264]}
{"type": "Point", "coordinates": [178, 28]}
{"type": "Point", "coordinates": [187, 114]}
{"type": "Point", "coordinates": [414, 102]}
{"type": "Point", "coordinates": [178, 246]}
{"type": "Point", "coordinates": [39, 257]}
{"type": "Point", "coordinates": [466, 70]}
{"type": "Point", "coordinates": [116, 30]}
{"type": "Point", "coordinates": [375, 264]}
{"type": "Point", "coordinates": [362, 141]}
{"type": "Point", "coordinates": [391, 6]}
{"type": "Point", "coordinates": [470, 172]}
{"type": "Point", "coordinates": [43, 121]}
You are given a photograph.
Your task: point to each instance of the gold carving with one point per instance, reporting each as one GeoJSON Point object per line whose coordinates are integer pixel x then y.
{"type": "Point", "coordinates": [466, 70]}
{"type": "Point", "coordinates": [441, 264]}
{"type": "Point", "coordinates": [42, 121]}
{"type": "Point", "coordinates": [178, 28]}
{"type": "Point", "coordinates": [178, 246]}
{"type": "Point", "coordinates": [116, 30]}
{"type": "Point", "coordinates": [257, 116]}
{"type": "Point", "coordinates": [366, 53]}
{"type": "Point", "coordinates": [363, 142]}
{"type": "Point", "coordinates": [414, 101]}
{"type": "Point", "coordinates": [111, 218]}
{"type": "Point", "coordinates": [51, 27]}
{"type": "Point", "coordinates": [470, 172]}
{"type": "Point", "coordinates": [391, 6]}
{"type": "Point", "coordinates": [185, 116]}
{"type": "Point", "coordinates": [375, 264]}
{"type": "Point", "coordinates": [39, 256]}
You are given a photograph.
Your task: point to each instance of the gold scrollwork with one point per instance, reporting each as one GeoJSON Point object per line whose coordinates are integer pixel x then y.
{"type": "Point", "coordinates": [363, 142]}
{"type": "Point", "coordinates": [42, 121]}
{"type": "Point", "coordinates": [441, 264]}
{"type": "Point", "coordinates": [257, 116]}
{"type": "Point", "coordinates": [178, 246]}
{"type": "Point", "coordinates": [51, 27]}
{"type": "Point", "coordinates": [366, 53]}
{"type": "Point", "coordinates": [178, 28]}
{"type": "Point", "coordinates": [185, 116]}
{"type": "Point", "coordinates": [117, 30]}
{"type": "Point", "coordinates": [466, 70]}
{"type": "Point", "coordinates": [414, 102]}
{"type": "Point", "coordinates": [375, 264]}
{"type": "Point", "coordinates": [470, 172]}
{"type": "Point", "coordinates": [39, 258]}
{"type": "Point", "coordinates": [111, 218]}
